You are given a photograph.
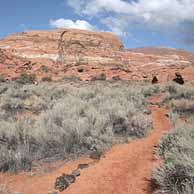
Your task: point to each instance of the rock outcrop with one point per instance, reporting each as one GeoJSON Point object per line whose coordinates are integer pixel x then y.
{"type": "Point", "coordinates": [67, 43]}
{"type": "Point", "coordinates": [154, 80]}
{"type": "Point", "coordinates": [66, 53]}
{"type": "Point", "coordinates": [178, 79]}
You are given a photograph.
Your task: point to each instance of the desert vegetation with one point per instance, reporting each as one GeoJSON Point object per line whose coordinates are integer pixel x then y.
{"type": "Point", "coordinates": [2, 79]}
{"type": "Point", "coordinates": [180, 100]}
{"type": "Point", "coordinates": [176, 174]}
{"type": "Point", "coordinates": [57, 119]}
{"type": "Point", "coordinates": [26, 78]}
{"type": "Point", "coordinates": [3, 189]}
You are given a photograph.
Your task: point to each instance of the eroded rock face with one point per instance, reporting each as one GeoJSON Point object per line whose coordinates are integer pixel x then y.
{"type": "Point", "coordinates": [65, 53]}
{"type": "Point", "coordinates": [47, 44]}
{"type": "Point", "coordinates": [10, 64]}
{"type": "Point", "coordinates": [61, 50]}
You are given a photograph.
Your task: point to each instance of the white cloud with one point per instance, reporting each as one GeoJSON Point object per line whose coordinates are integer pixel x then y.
{"type": "Point", "coordinates": [155, 14]}
{"type": "Point", "coordinates": [66, 23]}
{"type": "Point", "coordinates": [116, 25]}
{"type": "Point", "coordinates": [97, 6]}
{"type": "Point", "coordinates": [158, 11]}
{"type": "Point", "coordinates": [165, 12]}
{"type": "Point", "coordinates": [76, 5]}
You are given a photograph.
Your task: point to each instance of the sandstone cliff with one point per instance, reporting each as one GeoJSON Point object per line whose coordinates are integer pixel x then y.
{"type": "Point", "coordinates": [66, 52]}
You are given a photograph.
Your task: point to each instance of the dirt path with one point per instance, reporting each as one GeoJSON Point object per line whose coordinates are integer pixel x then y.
{"type": "Point", "coordinates": [126, 169]}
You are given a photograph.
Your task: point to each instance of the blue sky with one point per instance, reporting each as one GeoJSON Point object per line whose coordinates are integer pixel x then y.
{"type": "Point", "coordinates": [139, 23]}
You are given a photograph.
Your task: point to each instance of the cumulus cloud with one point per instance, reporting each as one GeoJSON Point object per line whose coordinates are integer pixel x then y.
{"type": "Point", "coordinates": [149, 10]}
{"type": "Point", "coordinates": [66, 23]}
{"type": "Point", "coordinates": [116, 25]}
{"type": "Point", "coordinates": [164, 15]}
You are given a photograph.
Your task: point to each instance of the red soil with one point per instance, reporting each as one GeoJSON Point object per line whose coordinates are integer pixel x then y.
{"type": "Point", "coordinates": [126, 169]}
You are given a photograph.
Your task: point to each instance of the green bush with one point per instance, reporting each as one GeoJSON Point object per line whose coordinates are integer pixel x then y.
{"type": "Point", "coordinates": [26, 78]}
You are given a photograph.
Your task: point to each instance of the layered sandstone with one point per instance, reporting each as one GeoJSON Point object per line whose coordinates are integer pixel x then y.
{"type": "Point", "coordinates": [66, 52]}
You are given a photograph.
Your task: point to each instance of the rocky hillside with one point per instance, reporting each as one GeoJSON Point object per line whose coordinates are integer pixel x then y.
{"type": "Point", "coordinates": [63, 53]}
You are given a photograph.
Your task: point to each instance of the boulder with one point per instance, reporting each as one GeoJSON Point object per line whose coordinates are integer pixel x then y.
{"type": "Point", "coordinates": [69, 178]}
{"type": "Point", "coordinates": [61, 183]}
{"type": "Point", "coordinates": [76, 173]}
{"type": "Point", "coordinates": [154, 80]}
{"type": "Point", "coordinates": [82, 166]}
{"type": "Point", "coordinates": [178, 79]}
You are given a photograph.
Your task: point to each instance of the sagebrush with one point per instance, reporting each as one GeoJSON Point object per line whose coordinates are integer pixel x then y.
{"type": "Point", "coordinates": [58, 119]}
{"type": "Point", "coordinates": [176, 174]}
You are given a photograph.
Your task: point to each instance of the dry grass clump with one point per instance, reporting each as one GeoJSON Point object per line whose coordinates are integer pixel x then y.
{"type": "Point", "coordinates": [176, 91]}
{"type": "Point", "coordinates": [180, 99]}
{"type": "Point", "coordinates": [183, 107]}
{"type": "Point", "coordinates": [4, 189]}
{"type": "Point", "coordinates": [68, 119]}
{"type": "Point", "coordinates": [176, 174]}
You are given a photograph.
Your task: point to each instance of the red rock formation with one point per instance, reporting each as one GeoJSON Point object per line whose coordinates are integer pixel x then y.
{"type": "Point", "coordinates": [67, 52]}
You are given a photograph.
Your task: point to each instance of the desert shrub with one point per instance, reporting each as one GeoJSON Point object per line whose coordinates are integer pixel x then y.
{"type": "Point", "coordinates": [176, 92]}
{"type": "Point", "coordinates": [47, 79]}
{"type": "Point", "coordinates": [71, 119]}
{"type": "Point", "coordinates": [2, 78]}
{"type": "Point", "coordinates": [116, 78]}
{"type": "Point", "coordinates": [180, 99]}
{"type": "Point", "coordinates": [176, 174]}
{"type": "Point", "coordinates": [139, 126]}
{"type": "Point", "coordinates": [4, 189]}
{"type": "Point", "coordinates": [72, 78]}
{"type": "Point", "coordinates": [183, 106]}
{"type": "Point", "coordinates": [101, 77]}
{"type": "Point", "coordinates": [12, 105]}
{"type": "Point", "coordinates": [26, 78]}
{"type": "Point", "coordinates": [3, 89]}
{"type": "Point", "coordinates": [44, 68]}
{"type": "Point", "coordinates": [15, 149]}
{"type": "Point", "coordinates": [151, 90]}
